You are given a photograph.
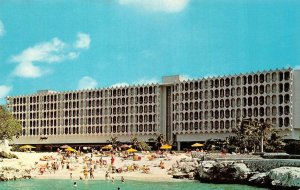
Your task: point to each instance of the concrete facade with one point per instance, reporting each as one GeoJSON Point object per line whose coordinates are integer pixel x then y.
{"type": "Point", "coordinates": [183, 111]}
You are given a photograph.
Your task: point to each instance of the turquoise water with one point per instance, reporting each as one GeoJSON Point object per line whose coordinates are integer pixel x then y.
{"type": "Point", "coordinates": [107, 185]}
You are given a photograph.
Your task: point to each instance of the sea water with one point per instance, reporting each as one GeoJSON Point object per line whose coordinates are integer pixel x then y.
{"type": "Point", "coordinates": [39, 184]}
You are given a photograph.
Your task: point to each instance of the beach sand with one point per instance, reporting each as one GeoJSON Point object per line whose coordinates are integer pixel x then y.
{"type": "Point", "coordinates": [32, 160]}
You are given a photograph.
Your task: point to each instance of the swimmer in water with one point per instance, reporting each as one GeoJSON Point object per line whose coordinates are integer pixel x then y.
{"type": "Point", "coordinates": [75, 184]}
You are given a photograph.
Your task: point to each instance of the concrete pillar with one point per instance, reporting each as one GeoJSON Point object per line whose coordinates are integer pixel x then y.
{"type": "Point", "coordinates": [178, 146]}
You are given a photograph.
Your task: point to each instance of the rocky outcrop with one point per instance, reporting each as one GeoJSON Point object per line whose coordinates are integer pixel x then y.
{"type": "Point", "coordinates": [4, 146]}
{"type": "Point", "coordinates": [13, 173]}
{"type": "Point", "coordinates": [238, 172]}
{"type": "Point", "coordinates": [223, 172]}
{"type": "Point", "coordinates": [279, 177]}
{"type": "Point", "coordinates": [5, 150]}
{"type": "Point", "coordinates": [10, 168]}
{"type": "Point", "coordinates": [185, 168]}
{"type": "Point", "coordinates": [7, 155]}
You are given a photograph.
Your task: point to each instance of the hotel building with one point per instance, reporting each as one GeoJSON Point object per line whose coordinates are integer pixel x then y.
{"type": "Point", "coordinates": [183, 111]}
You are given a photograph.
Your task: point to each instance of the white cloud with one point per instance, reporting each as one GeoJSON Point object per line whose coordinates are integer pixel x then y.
{"type": "Point", "coordinates": [142, 81]}
{"type": "Point", "coordinates": [83, 41]}
{"type": "Point", "coordinates": [146, 81]}
{"type": "Point", "coordinates": [73, 55]}
{"type": "Point", "coordinates": [210, 75]}
{"type": "Point", "coordinates": [87, 83]}
{"type": "Point", "coordinates": [28, 70]}
{"type": "Point", "coordinates": [4, 90]}
{"type": "Point", "coordinates": [121, 84]}
{"type": "Point", "coordinates": [186, 77]}
{"type": "Point", "coordinates": [53, 51]}
{"type": "Point", "coordinates": [169, 6]}
{"type": "Point", "coordinates": [48, 52]}
{"type": "Point", "coordinates": [1, 28]}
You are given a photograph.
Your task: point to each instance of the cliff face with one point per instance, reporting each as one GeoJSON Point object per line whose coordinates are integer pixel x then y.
{"type": "Point", "coordinates": [223, 172]}
{"type": "Point", "coordinates": [278, 177]}
{"type": "Point", "coordinates": [237, 172]}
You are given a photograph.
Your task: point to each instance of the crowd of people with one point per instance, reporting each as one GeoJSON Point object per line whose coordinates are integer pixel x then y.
{"type": "Point", "coordinates": [99, 162]}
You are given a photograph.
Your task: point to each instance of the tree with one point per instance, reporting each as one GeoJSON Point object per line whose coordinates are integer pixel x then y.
{"type": "Point", "coordinates": [113, 141]}
{"type": "Point", "coordinates": [159, 141]}
{"type": "Point", "coordinates": [134, 141]}
{"type": "Point", "coordinates": [9, 126]}
{"type": "Point", "coordinates": [251, 133]}
{"type": "Point", "coordinates": [140, 145]}
{"type": "Point", "coordinates": [275, 142]}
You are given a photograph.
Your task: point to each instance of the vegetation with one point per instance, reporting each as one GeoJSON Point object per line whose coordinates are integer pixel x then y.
{"type": "Point", "coordinates": [9, 126]}
{"type": "Point", "coordinates": [134, 142]}
{"type": "Point", "coordinates": [292, 147]}
{"type": "Point", "coordinates": [114, 142]}
{"type": "Point", "coordinates": [139, 145]}
{"type": "Point", "coordinates": [159, 141]}
{"type": "Point", "coordinates": [252, 133]}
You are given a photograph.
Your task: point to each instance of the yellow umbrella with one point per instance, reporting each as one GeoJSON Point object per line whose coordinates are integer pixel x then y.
{"type": "Point", "coordinates": [70, 149]}
{"type": "Point", "coordinates": [27, 147]}
{"type": "Point", "coordinates": [131, 150]}
{"type": "Point", "coordinates": [107, 147]}
{"type": "Point", "coordinates": [197, 145]}
{"type": "Point", "coordinates": [166, 146]}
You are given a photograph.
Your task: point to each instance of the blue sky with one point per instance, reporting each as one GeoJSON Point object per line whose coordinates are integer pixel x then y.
{"type": "Point", "coordinates": [67, 45]}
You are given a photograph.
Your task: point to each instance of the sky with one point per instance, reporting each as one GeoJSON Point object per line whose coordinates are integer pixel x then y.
{"type": "Point", "coordinates": [66, 45]}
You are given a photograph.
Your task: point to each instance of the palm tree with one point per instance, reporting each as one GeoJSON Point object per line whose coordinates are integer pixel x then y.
{"type": "Point", "coordinates": [113, 141]}
{"type": "Point", "coordinates": [250, 133]}
{"type": "Point", "coordinates": [134, 141]}
{"type": "Point", "coordinates": [159, 141]}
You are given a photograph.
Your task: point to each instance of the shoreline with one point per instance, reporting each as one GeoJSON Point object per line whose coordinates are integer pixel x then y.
{"type": "Point", "coordinates": [180, 167]}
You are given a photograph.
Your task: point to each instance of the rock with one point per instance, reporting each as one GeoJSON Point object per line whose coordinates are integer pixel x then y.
{"type": "Point", "coordinates": [285, 176]}
{"type": "Point", "coordinates": [185, 168]}
{"type": "Point", "coordinates": [180, 175]}
{"type": "Point", "coordinates": [242, 171]}
{"type": "Point", "coordinates": [14, 172]}
{"type": "Point", "coordinates": [4, 154]}
{"type": "Point", "coordinates": [260, 179]}
{"type": "Point", "coordinates": [223, 172]}
{"type": "Point", "coordinates": [191, 175]}
{"type": "Point", "coordinates": [4, 146]}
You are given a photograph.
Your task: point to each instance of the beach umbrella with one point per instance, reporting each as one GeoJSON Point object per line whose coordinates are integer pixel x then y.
{"type": "Point", "coordinates": [197, 145]}
{"type": "Point", "coordinates": [131, 150]}
{"type": "Point", "coordinates": [125, 146]}
{"type": "Point", "coordinates": [70, 149]}
{"type": "Point", "coordinates": [166, 147]}
{"type": "Point", "coordinates": [107, 147]}
{"type": "Point", "coordinates": [27, 147]}
{"type": "Point", "coordinates": [65, 146]}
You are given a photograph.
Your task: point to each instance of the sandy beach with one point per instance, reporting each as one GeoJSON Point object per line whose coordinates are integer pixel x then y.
{"type": "Point", "coordinates": [42, 166]}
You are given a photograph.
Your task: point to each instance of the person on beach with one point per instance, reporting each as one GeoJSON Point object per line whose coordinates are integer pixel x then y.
{"type": "Point", "coordinates": [91, 173]}
{"type": "Point", "coordinates": [101, 162]}
{"type": "Point", "coordinates": [162, 165]}
{"type": "Point", "coordinates": [107, 175]}
{"type": "Point", "coordinates": [112, 161]}
{"type": "Point", "coordinates": [70, 175]}
{"type": "Point", "coordinates": [85, 173]}
{"type": "Point", "coordinates": [122, 179]}
{"type": "Point", "coordinates": [113, 179]}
